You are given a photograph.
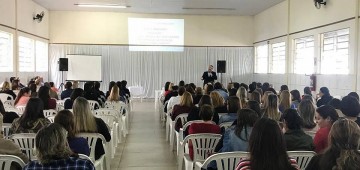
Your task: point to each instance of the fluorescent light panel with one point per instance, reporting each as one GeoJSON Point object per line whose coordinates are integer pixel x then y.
{"type": "Point", "coordinates": [101, 5]}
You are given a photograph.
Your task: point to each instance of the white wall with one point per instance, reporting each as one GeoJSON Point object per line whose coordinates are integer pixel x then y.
{"type": "Point", "coordinates": [112, 28]}
{"type": "Point", "coordinates": [304, 16]}
{"type": "Point", "coordinates": [17, 14]}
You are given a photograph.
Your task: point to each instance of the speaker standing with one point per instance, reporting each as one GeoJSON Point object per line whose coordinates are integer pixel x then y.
{"type": "Point", "coordinates": [209, 76]}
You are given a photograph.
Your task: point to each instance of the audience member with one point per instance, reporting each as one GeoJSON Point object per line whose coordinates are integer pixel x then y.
{"type": "Point", "coordinates": [295, 137]}
{"type": "Point", "coordinates": [242, 95]}
{"type": "Point", "coordinates": [233, 105]}
{"type": "Point", "coordinates": [295, 98]}
{"type": "Point", "coordinates": [99, 93]}
{"type": "Point", "coordinates": [33, 90]}
{"type": "Point", "coordinates": [181, 83]}
{"type": "Point", "coordinates": [111, 84]}
{"type": "Point", "coordinates": [308, 97]}
{"type": "Point", "coordinates": [218, 102]}
{"type": "Point", "coordinates": [77, 92]}
{"type": "Point", "coordinates": [198, 95]}
{"type": "Point", "coordinates": [7, 117]}
{"type": "Point", "coordinates": [218, 88]}
{"type": "Point", "coordinates": [283, 88]}
{"type": "Point", "coordinates": [67, 92]}
{"type": "Point", "coordinates": [306, 111]}
{"type": "Point", "coordinates": [77, 144]}
{"type": "Point", "coordinates": [255, 106]}
{"type": "Point", "coordinates": [354, 94]}
{"type": "Point", "coordinates": [114, 94]}
{"type": "Point", "coordinates": [336, 104]}
{"type": "Point", "coordinates": [53, 152]}
{"type": "Point", "coordinates": [325, 97]}
{"type": "Point", "coordinates": [265, 87]}
{"type": "Point", "coordinates": [174, 92]}
{"type": "Point", "coordinates": [325, 116]}
{"type": "Point", "coordinates": [32, 120]}
{"type": "Point", "coordinates": [185, 106]}
{"type": "Point", "coordinates": [7, 90]}
{"type": "Point", "coordinates": [267, 148]}
{"type": "Point", "coordinates": [342, 152]}
{"type": "Point", "coordinates": [53, 88]}
{"type": "Point", "coordinates": [206, 113]}
{"type": "Point", "coordinates": [232, 92]}
{"type": "Point", "coordinates": [48, 102]}
{"type": "Point", "coordinates": [86, 122]}
{"type": "Point", "coordinates": [194, 114]}
{"type": "Point", "coordinates": [52, 93]}
{"type": "Point", "coordinates": [264, 99]}
{"type": "Point", "coordinates": [272, 110]}
{"type": "Point", "coordinates": [208, 88]}
{"type": "Point", "coordinates": [350, 107]}
{"type": "Point", "coordinates": [175, 99]}
{"type": "Point", "coordinates": [23, 97]}
{"type": "Point", "coordinates": [90, 94]}
{"type": "Point", "coordinates": [255, 96]}
{"type": "Point", "coordinates": [285, 101]}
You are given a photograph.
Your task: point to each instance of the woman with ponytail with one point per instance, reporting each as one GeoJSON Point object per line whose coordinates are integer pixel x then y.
{"type": "Point", "coordinates": [342, 153]}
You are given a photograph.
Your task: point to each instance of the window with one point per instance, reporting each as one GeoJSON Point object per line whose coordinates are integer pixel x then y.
{"type": "Point", "coordinates": [335, 52]}
{"type": "Point", "coordinates": [261, 59]}
{"type": "Point", "coordinates": [278, 58]}
{"type": "Point", "coordinates": [304, 55]}
{"type": "Point", "coordinates": [41, 56]}
{"type": "Point", "coordinates": [6, 52]}
{"type": "Point", "coordinates": [26, 54]}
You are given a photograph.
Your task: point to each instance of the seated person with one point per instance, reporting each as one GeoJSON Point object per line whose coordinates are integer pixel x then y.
{"type": "Point", "coordinates": [44, 95]}
{"type": "Point", "coordinates": [295, 138]}
{"type": "Point", "coordinates": [78, 92]}
{"type": "Point", "coordinates": [233, 106]}
{"type": "Point", "coordinates": [350, 107]}
{"type": "Point", "coordinates": [77, 144]}
{"type": "Point", "coordinates": [7, 90]}
{"type": "Point", "coordinates": [53, 151]}
{"type": "Point", "coordinates": [8, 117]}
{"type": "Point", "coordinates": [23, 97]}
{"type": "Point", "coordinates": [185, 106]}
{"type": "Point", "coordinates": [194, 113]}
{"type": "Point", "coordinates": [218, 102]}
{"type": "Point", "coordinates": [67, 92]}
{"type": "Point", "coordinates": [206, 113]}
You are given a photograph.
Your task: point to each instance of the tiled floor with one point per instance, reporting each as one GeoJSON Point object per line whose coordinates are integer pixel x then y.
{"type": "Point", "coordinates": [145, 147]}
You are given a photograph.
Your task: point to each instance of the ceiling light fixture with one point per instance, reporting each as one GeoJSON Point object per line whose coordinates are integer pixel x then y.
{"type": "Point", "coordinates": [102, 5]}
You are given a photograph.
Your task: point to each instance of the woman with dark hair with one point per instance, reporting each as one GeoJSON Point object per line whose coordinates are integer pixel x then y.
{"type": "Point", "coordinates": [236, 137]}
{"type": "Point", "coordinates": [306, 111]}
{"type": "Point", "coordinates": [45, 97]}
{"type": "Point", "coordinates": [32, 120]}
{"type": "Point", "coordinates": [75, 94]}
{"type": "Point", "coordinates": [33, 89]}
{"type": "Point", "coordinates": [267, 148]}
{"type": "Point", "coordinates": [233, 105]}
{"type": "Point", "coordinates": [265, 87]}
{"type": "Point", "coordinates": [23, 97]}
{"type": "Point", "coordinates": [255, 106]}
{"type": "Point", "coordinates": [335, 103]}
{"type": "Point", "coordinates": [325, 116]}
{"type": "Point", "coordinates": [295, 137]}
{"type": "Point", "coordinates": [208, 89]}
{"type": "Point", "coordinates": [342, 152]}
{"type": "Point", "coordinates": [295, 98]}
{"type": "Point", "coordinates": [307, 91]}
{"type": "Point", "coordinates": [67, 92]}
{"type": "Point", "coordinates": [8, 117]}
{"type": "Point", "coordinates": [255, 96]}
{"type": "Point", "coordinates": [350, 107]}
{"type": "Point", "coordinates": [194, 113]}
{"type": "Point", "coordinates": [354, 94]}
{"type": "Point", "coordinates": [77, 144]}
{"type": "Point", "coordinates": [198, 95]}
{"type": "Point", "coordinates": [325, 97]}
{"type": "Point", "coordinates": [181, 83]}
{"type": "Point", "coordinates": [283, 87]}
{"type": "Point", "coordinates": [111, 84]}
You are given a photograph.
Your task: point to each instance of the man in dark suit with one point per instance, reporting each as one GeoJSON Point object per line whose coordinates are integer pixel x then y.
{"type": "Point", "coordinates": [209, 76]}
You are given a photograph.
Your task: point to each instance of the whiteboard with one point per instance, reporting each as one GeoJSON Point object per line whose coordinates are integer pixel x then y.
{"type": "Point", "coordinates": [84, 67]}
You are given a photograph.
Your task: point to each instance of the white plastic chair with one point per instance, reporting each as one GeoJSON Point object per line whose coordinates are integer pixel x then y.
{"type": "Point", "coordinates": [4, 97]}
{"type": "Point", "coordinates": [174, 135]}
{"type": "Point", "coordinates": [111, 122]}
{"type": "Point", "coordinates": [7, 160]}
{"type": "Point", "coordinates": [6, 129]}
{"type": "Point", "coordinates": [17, 111]}
{"type": "Point", "coordinates": [224, 161]}
{"type": "Point", "coordinates": [137, 92]}
{"type": "Point", "coordinates": [118, 122]}
{"type": "Point", "coordinates": [21, 109]}
{"type": "Point", "coordinates": [51, 119]}
{"type": "Point", "coordinates": [50, 112]}
{"type": "Point", "coordinates": [59, 107]}
{"type": "Point", "coordinates": [60, 102]}
{"type": "Point", "coordinates": [9, 103]}
{"type": "Point", "coordinates": [82, 156]}
{"type": "Point", "coordinates": [93, 104]}
{"type": "Point", "coordinates": [302, 157]}
{"type": "Point", "coordinates": [102, 163]}
{"type": "Point", "coordinates": [26, 142]}
{"type": "Point", "coordinates": [203, 145]}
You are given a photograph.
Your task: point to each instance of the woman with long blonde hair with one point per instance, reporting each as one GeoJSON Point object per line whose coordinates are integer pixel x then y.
{"type": "Point", "coordinates": [185, 106]}
{"type": "Point", "coordinates": [218, 102]}
{"type": "Point", "coordinates": [242, 95]}
{"type": "Point", "coordinates": [114, 94]}
{"type": "Point", "coordinates": [86, 122]}
{"type": "Point", "coordinates": [272, 109]}
{"type": "Point", "coordinates": [264, 99]}
{"type": "Point", "coordinates": [285, 101]}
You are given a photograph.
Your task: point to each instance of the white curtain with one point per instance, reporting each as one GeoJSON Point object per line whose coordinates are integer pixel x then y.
{"type": "Point", "coordinates": [152, 69]}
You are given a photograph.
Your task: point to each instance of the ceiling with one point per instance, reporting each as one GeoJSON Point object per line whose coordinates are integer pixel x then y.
{"type": "Point", "coordinates": [198, 7]}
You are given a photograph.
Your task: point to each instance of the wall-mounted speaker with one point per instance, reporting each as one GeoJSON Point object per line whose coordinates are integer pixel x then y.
{"type": "Point", "coordinates": [63, 64]}
{"type": "Point", "coordinates": [221, 66]}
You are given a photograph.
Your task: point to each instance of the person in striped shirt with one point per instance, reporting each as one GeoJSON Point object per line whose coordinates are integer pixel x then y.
{"type": "Point", "coordinates": [267, 149]}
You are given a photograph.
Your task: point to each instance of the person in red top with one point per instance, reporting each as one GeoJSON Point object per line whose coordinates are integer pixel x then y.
{"type": "Point", "coordinates": [325, 116]}
{"type": "Point", "coordinates": [208, 126]}
{"type": "Point", "coordinates": [185, 106]}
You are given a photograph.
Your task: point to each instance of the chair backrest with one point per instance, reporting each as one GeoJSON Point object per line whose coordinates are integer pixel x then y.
{"type": "Point", "coordinates": [91, 139]}
{"type": "Point", "coordinates": [21, 109]}
{"type": "Point", "coordinates": [93, 104]}
{"type": "Point", "coordinates": [136, 91]}
{"type": "Point", "coordinates": [203, 144]}
{"type": "Point", "coordinates": [60, 102]}
{"type": "Point", "coordinates": [6, 129]}
{"type": "Point", "coordinates": [4, 97]}
{"type": "Point", "coordinates": [26, 142]}
{"type": "Point", "coordinates": [302, 157]}
{"type": "Point", "coordinates": [182, 117]}
{"type": "Point", "coordinates": [51, 119]}
{"type": "Point", "coordinates": [82, 156]}
{"type": "Point", "coordinates": [226, 160]}
{"type": "Point", "coordinates": [9, 103]}
{"type": "Point", "coordinates": [187, 124]}
{"type": "Point", "coordinates": [113, 112]}
{"type": "Point", "coordinates": [17, 111]}
{"type": "Point", "coordinates": [7, 160]}
{"type": "Point", "coordinates": [50, 112]}
{"type": "Point", "coordinates": [59, 107]}
{"type": "Point", "coordinates": [225, 125]}
{"type": "Point", "coordinates": [108, 119]}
